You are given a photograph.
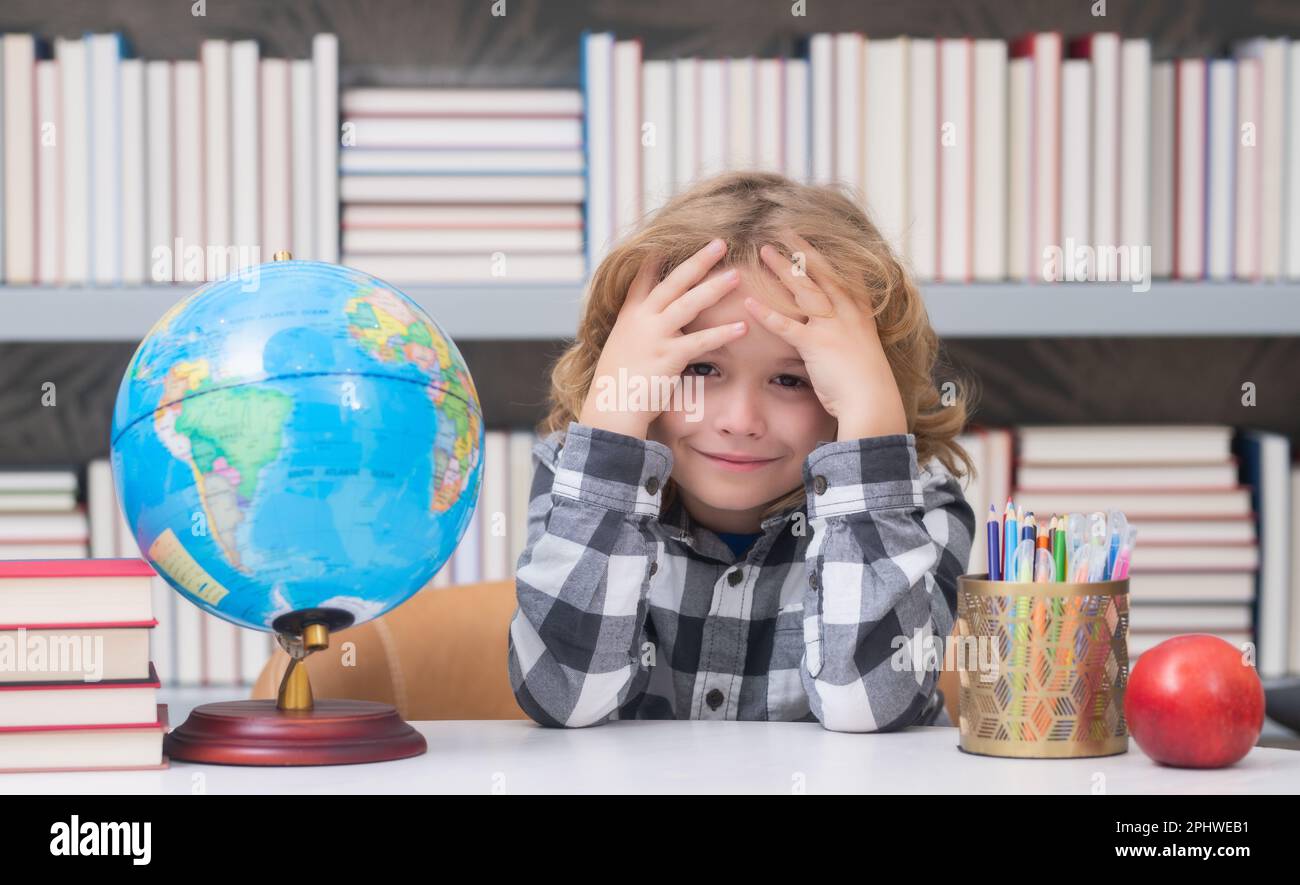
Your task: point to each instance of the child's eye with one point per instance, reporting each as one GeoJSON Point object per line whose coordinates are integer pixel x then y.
{"type": "Point", "coordinates": [798, 382]}
{"type": "Point", "coordinates": [696, 365]}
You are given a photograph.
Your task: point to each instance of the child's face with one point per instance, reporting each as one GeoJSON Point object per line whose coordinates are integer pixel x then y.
{"type": "Point", "coordinates": [755, 401]}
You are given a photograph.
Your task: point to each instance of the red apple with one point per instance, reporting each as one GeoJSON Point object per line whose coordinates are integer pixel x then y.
{"type": "Point", "coordinates": [1194, 701]}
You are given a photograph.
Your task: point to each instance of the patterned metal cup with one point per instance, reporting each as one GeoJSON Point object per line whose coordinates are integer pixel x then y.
{"type": "Point", "coordinates": [1042, 667]}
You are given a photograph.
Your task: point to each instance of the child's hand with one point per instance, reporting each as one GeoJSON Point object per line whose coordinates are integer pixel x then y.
{"type": "Point", "coordinates": [839, 344]}
{"type": "Point", "coordinates": [647, 340]}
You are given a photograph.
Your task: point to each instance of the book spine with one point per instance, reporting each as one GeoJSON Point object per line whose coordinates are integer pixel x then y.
{"type": "Point", "coordinates": [245, 148]}
{"type": "Point", "coordinates": [49, 176]}
{"type": "Point", "coordinates": [686, 98]}
{"type": "Point", "coordinates": [1135, 145]}
{"type": "Point", "coordinates": [161, 187]}
{"type": "Point", "coordinates": [19, 145]}
{"type": "Point", "coordinates": [190, 214]}
{"type": "Point", "coordinates": [276, 173]}
{"type": "Point", "coordinates": [1163, 166]}
{"type": "Point", "coordinates": [1221, 142]}
{"type": "Point", "coordinates": [1076, 160]}
{"type": "Point", "coordinates": [955, 155]}
{"type": "Point", "coordinates": [921, 245]}
{"type": "Point", "coordinates": [215, 64]}
{"type": "Point", "coordinates": [325, 71]}
{"type": "Point", "coordinates": [1021, 265]}
{"type": "Point", "coordinates": [989, 234]}
{"type": "Point", "coordinates": [303, 114]}
{"type": "Point", "coordinates": [656, 97]}
{"type": "Point", "coordinates": [797, 120]}
{"type": "Point", "coordinates": [627, 122]}
{"type": "Point", "coordinates": [133, 259]}
{"type": "Point", "coordinates": [105, 133]}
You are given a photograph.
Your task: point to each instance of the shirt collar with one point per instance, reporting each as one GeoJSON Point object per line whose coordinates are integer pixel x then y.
{"type": "Point", "coordinates": [703, 540]}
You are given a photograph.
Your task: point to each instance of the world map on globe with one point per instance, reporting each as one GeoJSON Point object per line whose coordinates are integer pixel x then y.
{"type": "Point", "coordinates": [304, 437]}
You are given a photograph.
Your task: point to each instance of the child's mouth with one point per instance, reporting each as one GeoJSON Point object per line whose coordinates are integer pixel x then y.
{"type": "Point", "coordinates": [738, 463]}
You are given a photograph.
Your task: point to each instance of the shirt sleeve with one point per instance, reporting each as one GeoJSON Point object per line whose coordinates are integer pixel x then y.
{"type": "Point", "coordinates": [888, 543]}
{"type": "Point", "coordinates": [576, 643]}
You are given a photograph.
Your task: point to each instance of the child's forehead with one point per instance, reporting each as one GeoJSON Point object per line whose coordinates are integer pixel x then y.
{"type": "Point", "coordinates": [757, 345]}
{"type": "Point", "coordinates": [762, 284]}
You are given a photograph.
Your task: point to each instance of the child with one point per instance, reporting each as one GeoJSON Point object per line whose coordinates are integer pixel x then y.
{"type": "Point", "coordinates": [781, 551]}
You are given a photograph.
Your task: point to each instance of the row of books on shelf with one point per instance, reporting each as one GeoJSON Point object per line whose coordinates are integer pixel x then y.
{"type": "Point", "coordinates": [121, 170]}
{"type": "Point", "coordinates": [1216, 509]}
{"type": "Point", "coordinates": [980, 160]}
{"type": "Point", "coordinates": [463, 185]}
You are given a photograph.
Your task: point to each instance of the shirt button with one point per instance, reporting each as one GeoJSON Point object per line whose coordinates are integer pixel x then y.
{"type": "Point", "coordinates": [713, 699]}
{"type": "Point", "coordinates": [654, 567]}
{"type": "Point", "coordinates": [812, 580]}
{"type": "Point", "coordinates": [819, 483]}
{"type": "Point", "coordinates": [652, 484]}
{"type": "Point", "coordinates": [735, 576]}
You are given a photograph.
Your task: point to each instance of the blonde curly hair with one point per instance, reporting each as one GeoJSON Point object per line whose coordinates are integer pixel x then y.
{"type": "Point", "coordinates": [748, 209]}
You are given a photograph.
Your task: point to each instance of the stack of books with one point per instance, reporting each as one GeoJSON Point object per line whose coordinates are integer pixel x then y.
{"type": "Point", "coordinates": [1197, 557]}
{"type": "Point", "coordinates": [40, 517]}
{"type": "Point", "coordinates": [77, 689]}
{"type": "Point", "coordinates": [164, 171]}
{"type": "Point", "coordinates": [1040, 158]}
{"type": "Point", "coordinates": [463, 185]}
{"type": "Point", "coordinates": [191, 647]}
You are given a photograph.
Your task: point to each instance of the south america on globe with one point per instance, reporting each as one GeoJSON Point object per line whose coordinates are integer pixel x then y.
{"type": "Point", "coordinates": [302, 438]}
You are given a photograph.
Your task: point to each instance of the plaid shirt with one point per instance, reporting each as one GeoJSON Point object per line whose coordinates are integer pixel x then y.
{"type": "Point", "coordinates": [627, 613]}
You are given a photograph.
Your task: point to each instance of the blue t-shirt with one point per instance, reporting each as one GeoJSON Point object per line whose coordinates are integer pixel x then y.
{"type": "Point", "coordinates": [739, 542]}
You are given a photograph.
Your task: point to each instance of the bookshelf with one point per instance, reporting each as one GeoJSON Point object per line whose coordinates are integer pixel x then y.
{"type": "Point", "coordinates": [1028, 345]}
{"type": "Point", "coordinates": [550, 312]}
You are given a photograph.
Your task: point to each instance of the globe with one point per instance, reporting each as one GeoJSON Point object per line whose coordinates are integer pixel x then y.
{"type": "Point", "coordinates": [296, 442]}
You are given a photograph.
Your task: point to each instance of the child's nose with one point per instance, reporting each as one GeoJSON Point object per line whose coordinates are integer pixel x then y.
{"type": "Point", "coordinates": [738, 412]}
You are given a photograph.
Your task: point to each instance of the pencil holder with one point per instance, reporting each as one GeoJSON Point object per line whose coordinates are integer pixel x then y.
{"type": "Point", "coordinates": [1042, 667]}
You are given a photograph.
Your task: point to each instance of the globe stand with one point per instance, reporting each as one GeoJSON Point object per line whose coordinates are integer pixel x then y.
{"type": "Point", "coordinates": [294, 729]}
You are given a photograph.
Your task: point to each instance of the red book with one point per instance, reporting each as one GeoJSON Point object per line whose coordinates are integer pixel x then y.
{"type": "Point", "coordinates": [121, 747]}
{"type": "Point", "coordinates": [50, 592]}
{"type": "Point", "coordinates": [76, 568]}
{"type": "Point", "coordinates": [76, 704]}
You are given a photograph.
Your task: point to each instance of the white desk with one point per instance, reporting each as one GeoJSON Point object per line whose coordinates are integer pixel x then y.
{"type": "Point", "coordinates": [691, 757]}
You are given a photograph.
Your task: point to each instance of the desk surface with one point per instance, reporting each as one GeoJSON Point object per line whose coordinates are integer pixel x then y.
{"type": "Point", "coordinates": [691, 756]}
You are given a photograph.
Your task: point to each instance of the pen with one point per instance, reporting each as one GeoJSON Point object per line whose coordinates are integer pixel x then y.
{"type": "Point", "coordinates": [1058, 550]}
{"type": "Point", "coordinates": [1009, 544]}
{"type": "Point", "coordinates": [1125, 554]}
{"type": "Point", "coordinates": [994, 532]}
{"type": "Point", "coordinates": [1117, 526]}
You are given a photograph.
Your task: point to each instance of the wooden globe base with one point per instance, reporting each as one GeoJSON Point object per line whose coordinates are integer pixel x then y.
{"type": "Point", "coordinates": [256, 732]}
